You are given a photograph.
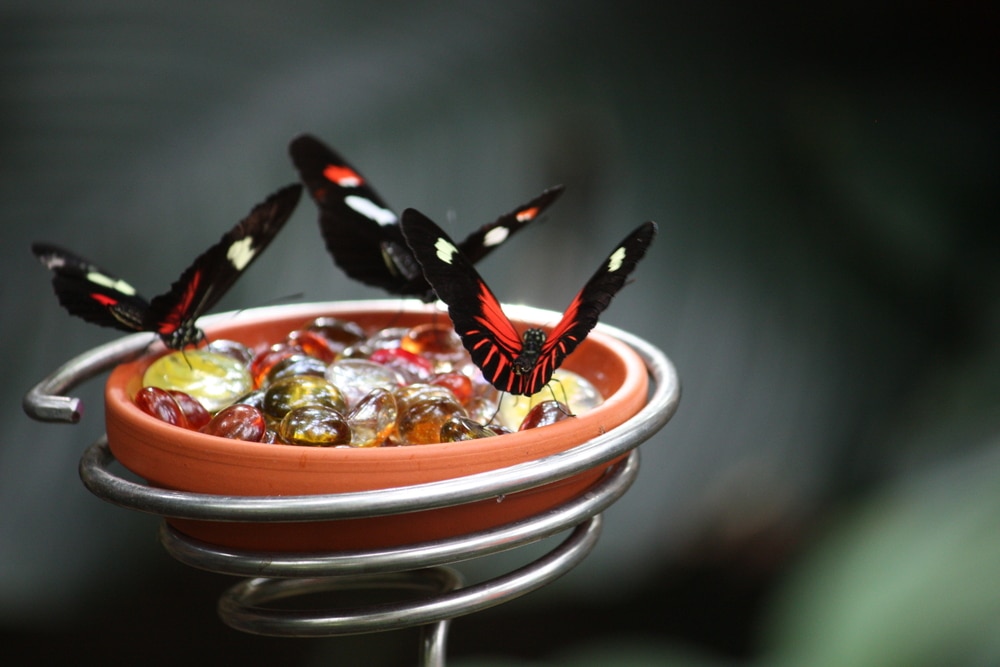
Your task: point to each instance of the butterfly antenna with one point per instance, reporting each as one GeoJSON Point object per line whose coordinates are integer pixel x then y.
{"type": "Point", "coordinates": [497, 411]}
{"type": "Point", "coordinates": [563, 405]}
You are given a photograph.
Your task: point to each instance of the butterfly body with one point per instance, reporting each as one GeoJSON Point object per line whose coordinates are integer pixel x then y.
{"type": "Point", "coordinates": [99, 297]}
{"type": "Point", "coordinates": [362, 233]}
{"type": "Point", "coordinates": [517, 363]}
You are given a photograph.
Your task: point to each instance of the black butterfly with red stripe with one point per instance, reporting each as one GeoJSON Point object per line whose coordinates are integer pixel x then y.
{"type": "Point", "coordinates": [512, 362]}
{"type": "Point", "coordinates": [89, 292]}
{"type": "Point", "coordinates": [362, 233]}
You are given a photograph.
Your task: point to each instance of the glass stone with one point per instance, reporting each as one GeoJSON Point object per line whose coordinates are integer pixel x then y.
{"type": "Point", "coordinates": [161, 404]}
{"type": "Point", "coordinates": [214, 380]}
{"type": "Point", "coordinates": [569, 388]}
{"type": "Point", "coordinates": [420, 423]}
{"type": "Point", "coordinates": [314, 426]}
{"type": "Point", "coordinates": [459, 428]}
{"type": "Point", "coordinates": [238, 422]}
{"type": "Point", "coordinates": [373, 419]}
{"type": "Point", "coordinates": [543, 414]}
{"type": "Point", "coordinates": [301, 390]}
{"type": "Point", "coordinates": [356, 378]}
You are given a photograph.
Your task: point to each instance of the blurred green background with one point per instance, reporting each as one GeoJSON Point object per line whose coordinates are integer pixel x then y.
{"type": "Point", "coordinates": [825, 279]}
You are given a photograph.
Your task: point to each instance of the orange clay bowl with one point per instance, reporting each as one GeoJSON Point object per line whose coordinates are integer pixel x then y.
{"type": "Point", "coordinates": [173, 458]}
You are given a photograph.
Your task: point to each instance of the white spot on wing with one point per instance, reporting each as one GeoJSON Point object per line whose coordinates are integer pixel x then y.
{"type": "Point", "coordinates": [111, 283]}
{"type": "Point", "coordinates": [241, 253]}
{"type": "Point", "coordinates": [616, 259]}
{"type": "Point", "coordinates": [496, 236]}
{"type": "Point", "coordinates": [370, 210]}
{"type": "Point", "coordinates": [445, 251]}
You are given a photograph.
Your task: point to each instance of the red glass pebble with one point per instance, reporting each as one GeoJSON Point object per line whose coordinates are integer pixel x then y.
{"type": "Point", "coordinates": [160, 404]}
{"type": "Point", "coordinates": [195, 413]}
{"type": "Point", "coordinates": [412, 366]}
{"type": "Point", "coordinates": [313, 344]}
{"type": "Point", "coordinates": [239, 422]}
{"type": "Point", "coordinates": [545, 413]}
{"type": "Point", "coordinates": [264, 361]}
{"type": "Point", "coordinates": [458, 384]}
{"type": "Point", "coordinates": [339, 334]}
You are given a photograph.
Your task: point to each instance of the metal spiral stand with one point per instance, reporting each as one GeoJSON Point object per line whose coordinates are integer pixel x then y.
{"type": "Point", "coordinates": [253, 605]}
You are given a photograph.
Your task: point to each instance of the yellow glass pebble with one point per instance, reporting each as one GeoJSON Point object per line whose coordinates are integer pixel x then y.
{"type": "Point", "coordinates": [215, 380]}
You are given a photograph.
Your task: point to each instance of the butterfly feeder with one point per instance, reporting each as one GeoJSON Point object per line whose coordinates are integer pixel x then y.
{"type": "Point", "coordinates": [302, 521]}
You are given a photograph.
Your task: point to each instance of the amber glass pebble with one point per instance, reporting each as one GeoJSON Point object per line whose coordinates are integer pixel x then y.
{"type": "Point", "coordinates": [315, 426]}
{"type": "Point", "coordinates": [215, 380]}
{"type": "Point", "coordinates": [421, 420]}
{"type": "Point", "coordinates": [458, 428]}
{"type": "Point", "coordinates": [300, 391]}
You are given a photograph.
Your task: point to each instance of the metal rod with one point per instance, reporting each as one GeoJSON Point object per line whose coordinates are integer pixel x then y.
{"type": "Point", "coordinates": [487, 542]}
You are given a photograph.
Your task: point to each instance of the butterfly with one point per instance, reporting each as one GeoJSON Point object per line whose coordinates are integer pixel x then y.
{"type": "Point", "coordinates": [362, 233]}
{"type": "Point", "coordinates": [516, 363]}
{"type": "Point", "coordinates": [99, 297]}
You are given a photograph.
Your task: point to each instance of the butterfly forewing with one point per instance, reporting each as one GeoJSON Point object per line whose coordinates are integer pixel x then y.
{"type": "Point", "coordinates": [89, 292]}
{"type": "Point", "coordinates": [487, 334]}
{"type": "Point", "coordinates": [488, 237]}
{"type": "Point", "coordinates": [493, 342]}
{"type": "Point", "coordinates": [213, 272]}
{"type": "Point", "coordinates": [363, 234]}
{"type": "Point", "coordinates": [581, 316]}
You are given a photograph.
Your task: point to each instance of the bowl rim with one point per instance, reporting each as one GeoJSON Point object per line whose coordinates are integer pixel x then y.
{"type": "Point", "coordinates": [659, 408]}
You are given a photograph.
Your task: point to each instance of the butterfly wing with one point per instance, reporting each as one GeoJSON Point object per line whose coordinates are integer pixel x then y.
{"type": "Point", "coordinates": [585, 308]}
{"type": "Point", "coordinates": [488, 237]}
{"type": "Point", "coordinates": [361, 232]}
{"type": "Point", "coordinates": [212, 273]}
{"type": "Point", "coordinates": [89, 292]}
{"type": "Point", "coordinates": [487, 334]}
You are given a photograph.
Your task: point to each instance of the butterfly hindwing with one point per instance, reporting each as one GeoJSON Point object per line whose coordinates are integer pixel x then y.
{"type": "Point", "coordinates": [91, 293]}
{"type": "Point", "coordinates": [360, 230]}
{"type": "Point", "coordinates": [511, 362]}
{"type": "Point", "coordinates": [487, 334]}
{"type": "Point", "coordinates": [363, 234]}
